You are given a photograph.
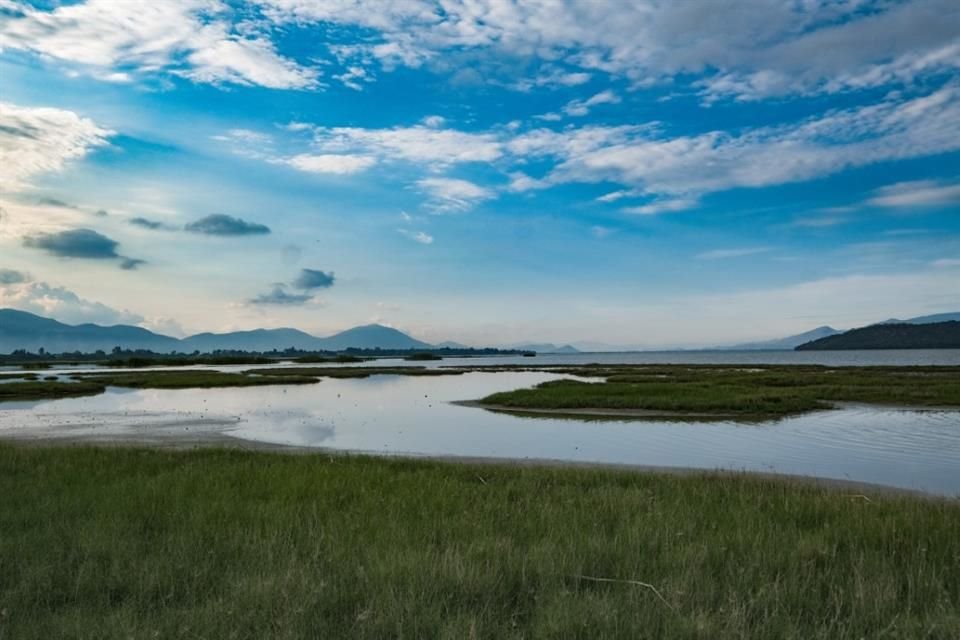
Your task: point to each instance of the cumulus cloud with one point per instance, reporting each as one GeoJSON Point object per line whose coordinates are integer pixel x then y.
{"type": "Point", "coordinates": [314, 279]}
{"type": "Point", "coordinates": [80, 243]}
{"type": "Point", "coordinates": [224, 225]}
{"type": "Point", "coordinates": [37, 140]}
{"type": "Point", "coordinates": [47, 300]}
{"type": "Point", "coordinates": [449, 195]}
{"type": "Point", "coordinates": [195, 39]}
{"type": "Point", "coordinates": [279, 295]}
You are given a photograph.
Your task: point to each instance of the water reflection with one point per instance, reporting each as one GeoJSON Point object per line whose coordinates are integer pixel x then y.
{"type": "Point", "coordinates": [414, 415]}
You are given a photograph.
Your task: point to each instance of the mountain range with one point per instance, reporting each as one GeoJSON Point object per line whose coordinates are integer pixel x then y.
{"type": "Point", "coordinates": [22, 330]}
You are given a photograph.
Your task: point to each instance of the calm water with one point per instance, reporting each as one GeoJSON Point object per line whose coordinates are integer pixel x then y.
{"type": "Point", "coordinates": [411, 415]}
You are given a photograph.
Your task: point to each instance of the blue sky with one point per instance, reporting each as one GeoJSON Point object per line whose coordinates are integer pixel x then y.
{"type": "Point", "coordinates": [649, 173]}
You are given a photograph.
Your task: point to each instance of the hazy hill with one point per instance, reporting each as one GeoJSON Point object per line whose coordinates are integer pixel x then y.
{"type": "Point", "coordinates": [790, 342]}
{"type": "Point", "coordinates": [22, 330]}
{"type": "Point", "coordinates": [937, 317]}
{"type": "Point", "coordinates": [256, 340]}
{"type": "Point", "coordinates": [372, 336]}
{"type": "Point", "coordinates": [940, 335]}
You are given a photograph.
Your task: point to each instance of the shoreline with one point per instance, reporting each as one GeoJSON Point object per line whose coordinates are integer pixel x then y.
{"type": "Point", "coordinates": [221, 440]}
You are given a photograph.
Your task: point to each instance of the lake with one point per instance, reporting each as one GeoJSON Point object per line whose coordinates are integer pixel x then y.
{"type": "Point", "coordinates": [403, 415]}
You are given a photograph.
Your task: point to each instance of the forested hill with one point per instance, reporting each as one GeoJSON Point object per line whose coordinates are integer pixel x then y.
{"type": "Point", "coordinates": [940, 335]}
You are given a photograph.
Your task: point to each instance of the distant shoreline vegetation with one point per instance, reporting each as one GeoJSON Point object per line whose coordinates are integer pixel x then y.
{"type": "Point", "coordinates": [144, 358]}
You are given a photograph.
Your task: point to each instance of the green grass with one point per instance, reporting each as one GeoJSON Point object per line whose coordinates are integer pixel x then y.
{"type": "Point", "coordinates": [737, 391]}
{"type": "Point", "coordinates": [36, 390]}
{"type": "Point", "coordinates": [93, 383]}
{"type": "Point", "coordinates": [356, 372]}
{"type": "Point", "coordinates": [191, 379]}
{"type": "Point", "coordinates": [129, 543]}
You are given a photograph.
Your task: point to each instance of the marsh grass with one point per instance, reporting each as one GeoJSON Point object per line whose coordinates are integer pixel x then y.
{"type": "Point", "coordinates": [128, 543]}
{"type": "Point", "coordinates": [190, 379]}
{"type": "Point", "coordinates": [47, 390]}
{"type": "Point", "coordinates": [725, 390]}
{"type": "Point", "coordinates": [357, 372]}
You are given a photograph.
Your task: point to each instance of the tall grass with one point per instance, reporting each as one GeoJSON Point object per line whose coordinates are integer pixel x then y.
{"type": "Point", "coordinates": [127, 543]}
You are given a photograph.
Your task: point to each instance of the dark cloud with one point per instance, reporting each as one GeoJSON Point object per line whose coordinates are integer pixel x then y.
{"type": "Point", "coordinates": [313, 279]}
{"type": "Point", "coordinates": [80, 243]}
{"type": "Point", "coordinates": [223, 225]}
{"type": "Point", "coordinates": [101, 212]}
{"type": "Point", "coordinates": [279, 295]}
{"type": "Point", "coordinates": [54, 202]}
{"type": "Point", "coordinates": [147, 224]}
{"type": "Point", "coordinates": [130, 264]}
{"type": "Point", "coordinates": [9, 276]}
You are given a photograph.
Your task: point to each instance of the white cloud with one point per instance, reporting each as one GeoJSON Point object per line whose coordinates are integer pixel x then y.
{"type": "Point", "coordinates": [747, 48]}
{"type": "Point", "coordinates": [667, 205]}
{"type": "Point", "coordinates": [36, 140]}
{"type": "Point", "coordinates": [687, 166]}
{"type": "Point", "coordinates": [60, 303]}
{"type": "Point", "coordinates": [417, 236]}
{"type": "Point", "coordinates": [453, 195]}
{"type": "Point", "coordinates": [423, 144]}
{"type": "Point", "coordinates": [723, 254]}
{"type": "Point", "coordinates": [946, 263]}
{"type": "Point", "coordinates": [340, 164]}
{"type": "Point", "coordinates": [434, 122]}
{"type": "Point", "coordinates": [920, 193]}
{"type": "Point", "coordinates": [353, 76]}
{"type": "Point", "coordinates": [191, 38]}
{"type": "Point", "coordinates": [580, 108]}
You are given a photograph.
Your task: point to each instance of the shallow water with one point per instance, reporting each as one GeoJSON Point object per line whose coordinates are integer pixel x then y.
{"type": "Point", "coordinates": [878, 357]}
{"type": "Point", "coordinates": [412, 415]}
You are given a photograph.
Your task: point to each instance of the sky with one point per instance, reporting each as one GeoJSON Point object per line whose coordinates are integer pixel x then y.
{"type": "Point", "coordinates": [650, 174]}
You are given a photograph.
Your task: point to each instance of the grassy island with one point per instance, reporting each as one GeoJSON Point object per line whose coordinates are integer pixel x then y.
{"type": "Point", "coordinates": [730, 392]}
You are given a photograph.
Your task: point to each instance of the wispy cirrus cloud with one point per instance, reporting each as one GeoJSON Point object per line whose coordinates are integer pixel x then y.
{"type": "Point", "coordinates": [762, 49]}
{"type": "Point", "coordinates": [450, 195]}
{"type": "Point", "coordinates": [38, 140]}
{"type": "Point", "coordinates": [417, 236]}
{"type": "Point", "coordinates": [919, 193]}
{"type": "Point", "coordinates": [725, 254]}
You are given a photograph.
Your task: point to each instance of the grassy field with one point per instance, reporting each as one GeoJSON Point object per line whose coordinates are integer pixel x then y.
{"type": "Point", "coordinates": [759, 392]}
{"type": "Point", "coordinates": [129, 543]}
